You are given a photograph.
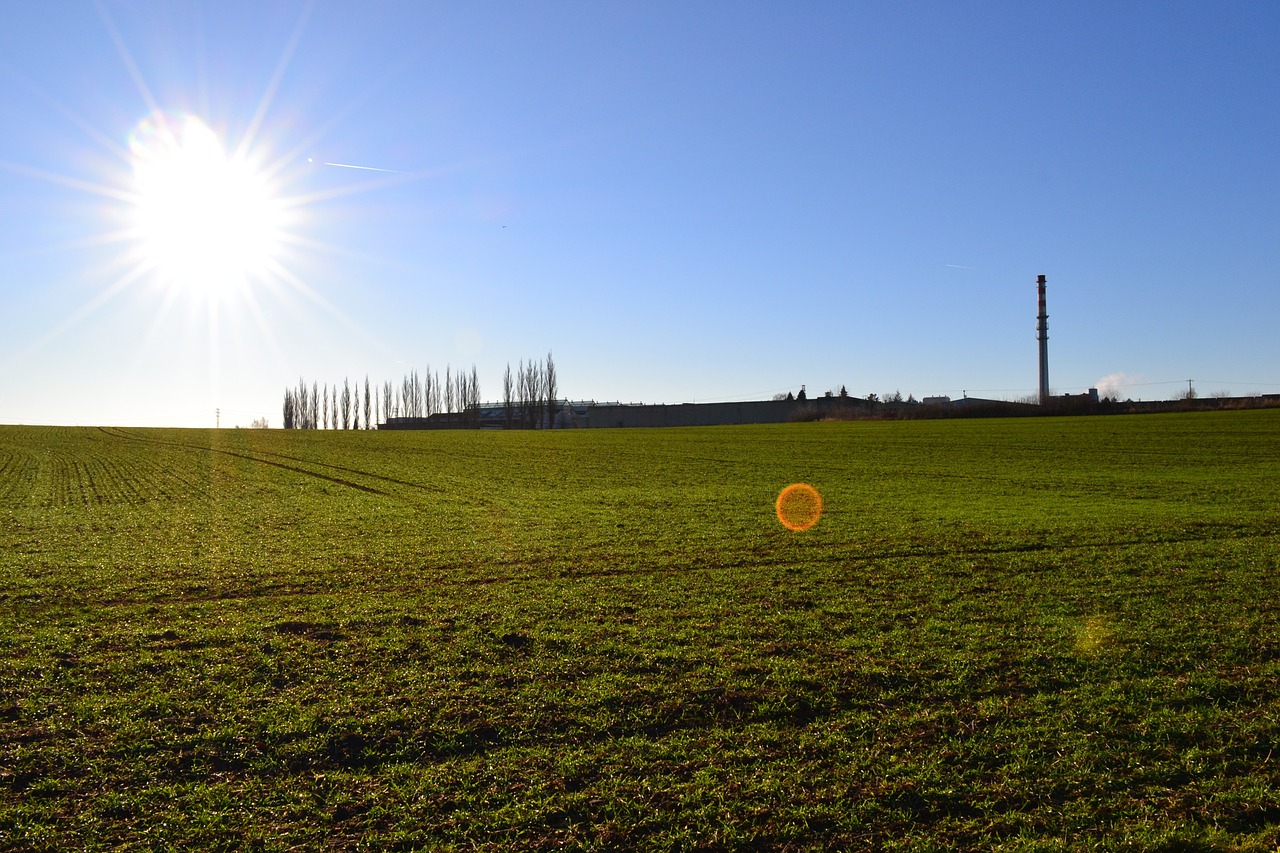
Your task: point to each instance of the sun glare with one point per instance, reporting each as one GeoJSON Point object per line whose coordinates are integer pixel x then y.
{"type": "Point", "coordinates": [204, 220]}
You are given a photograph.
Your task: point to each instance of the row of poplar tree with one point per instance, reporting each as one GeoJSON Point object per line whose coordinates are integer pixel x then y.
{"type": "Point", "coordinates": [529, 399]}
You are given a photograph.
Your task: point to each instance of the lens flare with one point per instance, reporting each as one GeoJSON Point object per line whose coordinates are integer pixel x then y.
{"type": "Point", "coordinates": [1094, 636]}
{"type": "Point", "coordinates": [799, 506]}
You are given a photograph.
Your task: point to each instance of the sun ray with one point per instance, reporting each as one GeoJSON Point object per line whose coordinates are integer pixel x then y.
{"type": "Point", "coordinates": [168, 300]}
{"type": "Point", "coordinates": [295, 154]}
{"type": "Point", "coordinates": [284, 275]}
{"type": "Point", "coordinates": [127, 58]}
{"type": "Point", "coordinates": [333, 251]}
{"type": "Point", "coordinates": [213, 318]}
{"type": "Point", "coordinates": [93, 132]}
{"type": "Point", "coordinates": [273, 85]}
{"type": "Point", "coordinates": [269, 338]}
{"type": "Point", "coordinates": [103, 190]}
{"type": "Point", "coordinates": [104, 238]}
{"type": "Point", "coordinates": [125, 281]}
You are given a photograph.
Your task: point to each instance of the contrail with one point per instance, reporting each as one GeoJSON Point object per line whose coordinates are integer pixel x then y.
{"type": "Point", "coordinates": [365, 168]}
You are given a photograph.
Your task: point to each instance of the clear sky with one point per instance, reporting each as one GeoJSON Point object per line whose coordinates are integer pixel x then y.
{"type": "Point", "coordinates": [683, 201]}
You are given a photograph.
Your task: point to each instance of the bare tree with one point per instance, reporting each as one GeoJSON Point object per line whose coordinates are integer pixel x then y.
{"type": "Point", "coordinates": [304, 404]}
{"type": "Point", "coordinates": [537, 387]}
{"type": "Point", "coordinates": [287, 414]}
{"type": "Point", "coordinates": [549, 379]}
{"type": "Point", "coordinates": [525, 395]}
{"type": "Point", "coordinates": [308, 405]}
{"type": "Point", "coordinates": [473, 402]}
{"type": "Point", "coordinates": [508, 408]}
{"type": "Point", "coordinates": [461, 395]}
{"type": "Point", "coordinates": [522, 395]}
{"type": "Point", "coordinates": [346, 405]}
{"type": "Point", "coordinates": [324, 407]}
{"type": "Point", "coordinates": [387, 399]}
{"type": "Point", "coordinates": [368, 403]}
{"type": "Point", "coordinates": [536, 381]}
{"type": "Point", "coordinates": [355, 407]}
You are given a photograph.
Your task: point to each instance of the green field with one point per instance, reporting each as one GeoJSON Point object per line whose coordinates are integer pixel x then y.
{"type": "Point", "coordinates": [1058, 633]}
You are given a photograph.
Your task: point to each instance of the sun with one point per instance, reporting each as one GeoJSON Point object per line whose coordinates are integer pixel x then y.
{"type": "Point", "coordinates": [204, 221]}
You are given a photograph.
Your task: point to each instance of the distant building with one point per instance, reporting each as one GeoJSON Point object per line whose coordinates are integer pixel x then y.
{"type": "Point", "coordinates": [718, 414]}
{"type": "Point", "coordinates": [570, 414]}
{"type": "Point", "coordinates": [563, 414]}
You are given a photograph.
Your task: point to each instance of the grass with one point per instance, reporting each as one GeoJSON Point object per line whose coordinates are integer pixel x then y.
{"type": "Point", "coordinates": [1012, 634]}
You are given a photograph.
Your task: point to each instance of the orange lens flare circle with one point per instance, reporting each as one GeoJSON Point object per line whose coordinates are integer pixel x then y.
{"type": "Point", "coordinates": [799, 506]}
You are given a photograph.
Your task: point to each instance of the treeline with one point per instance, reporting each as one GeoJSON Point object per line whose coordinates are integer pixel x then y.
{"type": "Point", "coordinates": [424, 395]}
{"type": "Point", "coordinates": [317, 406]}
{"type": "Point", "coordinates": [322, 407]}
{"type": "Point", "coordinates": [529, 395]}
{"type": "Point", "coordinates": [529, 398]}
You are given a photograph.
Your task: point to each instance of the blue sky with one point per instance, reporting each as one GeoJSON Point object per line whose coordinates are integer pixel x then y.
{"type": "Point", "coordinates": [682, 201]}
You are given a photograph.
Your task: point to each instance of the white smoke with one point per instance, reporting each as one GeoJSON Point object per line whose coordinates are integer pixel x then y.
{"type": "Point", "coordinates": [1118, 385]}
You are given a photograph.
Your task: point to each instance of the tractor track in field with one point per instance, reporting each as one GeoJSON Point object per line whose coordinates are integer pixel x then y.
{"type": "Point", "coordinates": [122, 434]}
{"type": "Point", "coordinates": [423, 486]}
{"type": "Point", "coordinates": [547, 569]}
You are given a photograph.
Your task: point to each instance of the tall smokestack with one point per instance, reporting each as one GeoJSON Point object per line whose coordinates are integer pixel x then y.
{"type": "Point", "coordinates": [1042, 335]}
